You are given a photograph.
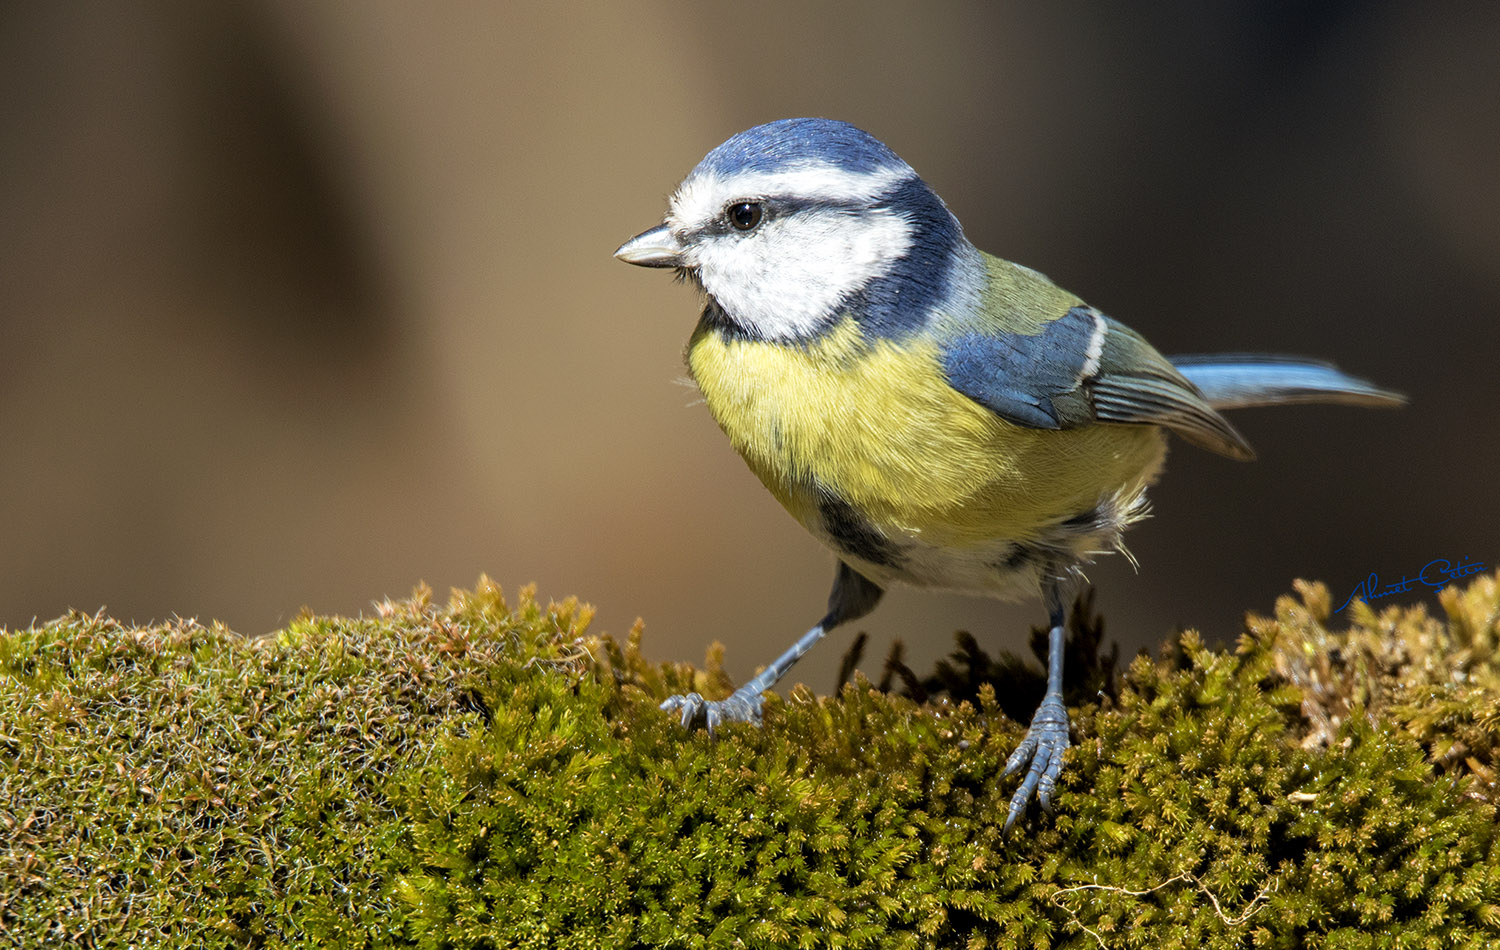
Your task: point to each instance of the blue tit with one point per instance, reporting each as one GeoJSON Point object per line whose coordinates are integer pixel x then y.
{"type": "Point", "coordinates": [936, 416]}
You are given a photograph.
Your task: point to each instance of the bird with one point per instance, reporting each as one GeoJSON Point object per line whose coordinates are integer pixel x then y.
{"type": "Point", "coordinates": [936, 416]}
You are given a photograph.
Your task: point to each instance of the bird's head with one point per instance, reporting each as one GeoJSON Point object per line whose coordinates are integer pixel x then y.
{"type": "Point", "coordinates": [792, 223]}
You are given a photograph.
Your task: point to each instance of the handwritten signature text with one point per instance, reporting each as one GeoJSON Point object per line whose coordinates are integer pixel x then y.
{"type": "Point", "coordinates": [1436, 573]}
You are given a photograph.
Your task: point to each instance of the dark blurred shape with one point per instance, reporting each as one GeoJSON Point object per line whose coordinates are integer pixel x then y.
{"type": "Point", "coordinates": [275, 216]}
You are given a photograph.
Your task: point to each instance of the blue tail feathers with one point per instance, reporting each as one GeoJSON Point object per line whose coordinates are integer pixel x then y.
{"type": "Point", "coordinates": [1238, 380]}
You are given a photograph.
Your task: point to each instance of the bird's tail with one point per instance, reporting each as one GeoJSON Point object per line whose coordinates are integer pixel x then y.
{"type": "Point", "coordinates": [1238, 380]}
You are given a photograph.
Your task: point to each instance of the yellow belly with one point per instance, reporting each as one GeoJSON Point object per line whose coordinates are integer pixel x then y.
{"type": "Point", "coordinates": [877, 423]}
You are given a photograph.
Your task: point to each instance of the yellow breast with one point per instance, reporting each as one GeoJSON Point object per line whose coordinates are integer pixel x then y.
{"type": "Point", "coordinates": [876, 422]}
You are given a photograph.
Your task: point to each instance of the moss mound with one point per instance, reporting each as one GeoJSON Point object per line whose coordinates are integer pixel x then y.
{"type": "Point", "coordinates": [478, 774]}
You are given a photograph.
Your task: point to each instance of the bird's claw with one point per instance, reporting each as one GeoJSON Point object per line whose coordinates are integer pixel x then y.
{"type": "Point", "coordinates": [739, 706]}
{"type": "Point", "coordinates": [1043, 747]}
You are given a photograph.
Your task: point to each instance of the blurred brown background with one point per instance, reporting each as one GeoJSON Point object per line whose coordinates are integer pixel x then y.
{"type": "Point", "coordinates": [305, 302]}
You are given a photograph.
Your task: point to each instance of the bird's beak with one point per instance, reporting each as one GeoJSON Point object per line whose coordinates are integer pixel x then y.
{"type": "Point", "coordinates": [654, 248]}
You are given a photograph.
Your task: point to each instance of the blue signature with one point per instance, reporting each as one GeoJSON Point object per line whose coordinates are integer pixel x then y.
{"type": "Point", "coordinates": [1436, 573]}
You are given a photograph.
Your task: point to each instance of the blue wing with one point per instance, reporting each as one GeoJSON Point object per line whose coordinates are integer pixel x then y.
{"type": "Point", "coordinates": [1080, 369]}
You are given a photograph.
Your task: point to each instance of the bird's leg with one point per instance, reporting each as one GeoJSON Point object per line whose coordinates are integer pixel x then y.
{"type": "Point", "coordinates": [1047, 737]}
{"type": "Point", "coordinates": [853, 596]}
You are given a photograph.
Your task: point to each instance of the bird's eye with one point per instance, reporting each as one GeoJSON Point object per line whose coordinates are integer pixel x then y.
{"type": "Point", "coordinates": [745, 215]}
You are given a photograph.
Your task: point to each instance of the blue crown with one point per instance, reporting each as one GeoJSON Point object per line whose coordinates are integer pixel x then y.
{"type": "Point", "coordinates": [789, 142]}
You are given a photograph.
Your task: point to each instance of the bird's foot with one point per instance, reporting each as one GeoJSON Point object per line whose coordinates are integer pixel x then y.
{"type": "Point", "coordinates": [1043, 747]}
{"type": "Point", "coordinates": [740, 706]}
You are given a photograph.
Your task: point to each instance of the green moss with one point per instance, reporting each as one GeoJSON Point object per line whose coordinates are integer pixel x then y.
{"type": "Point", "coordinates": [481, 775]}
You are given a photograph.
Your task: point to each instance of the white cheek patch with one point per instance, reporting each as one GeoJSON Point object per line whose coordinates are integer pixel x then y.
{"type": "Point", "coordinates": [783, 281]}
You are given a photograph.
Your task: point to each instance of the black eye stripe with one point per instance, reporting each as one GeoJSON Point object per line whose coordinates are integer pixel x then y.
{"type": "Point", "coordinates": [779, 206]}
